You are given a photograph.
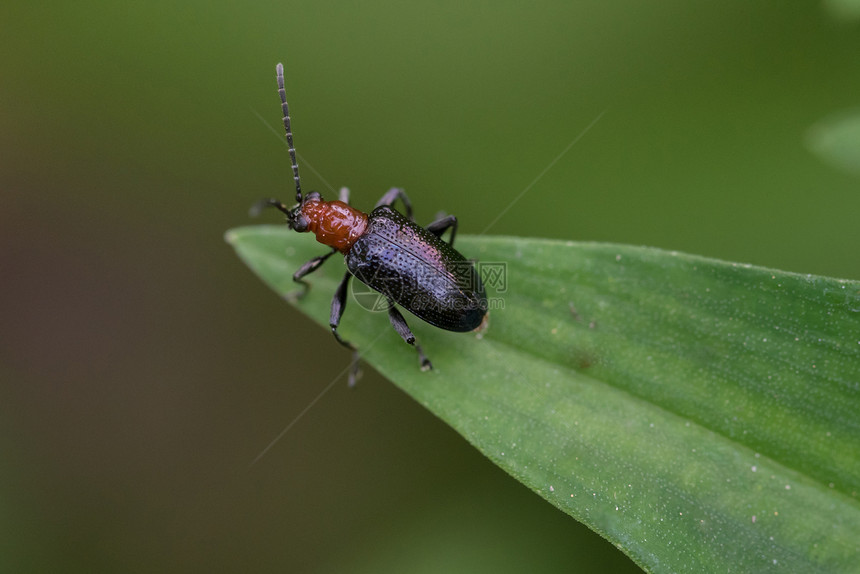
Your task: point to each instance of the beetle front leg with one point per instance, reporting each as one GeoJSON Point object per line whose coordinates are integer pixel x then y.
{"type": "Point", "coordinates": [338, 305]}
{"type": "Point", "coordinates": [399, 324]}
{"type": "Point", "coordinates": [439, 226]}
{"type": "Point", "coordinates": [343, 195]}
{"type": "Point", "coordinates": [305, 269]}
{"type": "Point", "coordinates": [391, 196]}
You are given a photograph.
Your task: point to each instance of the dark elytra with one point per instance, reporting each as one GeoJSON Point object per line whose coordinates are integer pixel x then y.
{"type": "Point", "coordinates": [419, 271]}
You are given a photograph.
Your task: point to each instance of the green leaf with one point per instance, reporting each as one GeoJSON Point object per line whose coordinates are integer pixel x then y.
{"type": "Point", "coordinates": [703, 416]}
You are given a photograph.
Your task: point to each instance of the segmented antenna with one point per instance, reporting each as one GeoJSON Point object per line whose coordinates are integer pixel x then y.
{"type": "Point", "coordinates": [286, 110]}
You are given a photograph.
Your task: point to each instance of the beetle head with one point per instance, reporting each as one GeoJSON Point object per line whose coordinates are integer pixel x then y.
{"type": "Point", "coordinates": [296, 219]}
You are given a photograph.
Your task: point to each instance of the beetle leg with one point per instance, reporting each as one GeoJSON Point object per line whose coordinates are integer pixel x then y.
{"type": "Point", "coordinates": [305, 269]}
{"type": "Point", "coordinates": [399, 324]}
{"type": "Point", "coordinates": [391, 196]}
{"type": "Point", "coordinates": [343, 195]}
{"type": "Point", "coordinates": [338, 304]}
{"type": "Point", "coordinates": [258, 207]}
{"type": "Point", "coordinates": [439, 226]}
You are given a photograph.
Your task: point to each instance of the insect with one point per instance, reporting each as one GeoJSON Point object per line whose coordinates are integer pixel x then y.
{"type": "Point", "coordinates": [409, 265]}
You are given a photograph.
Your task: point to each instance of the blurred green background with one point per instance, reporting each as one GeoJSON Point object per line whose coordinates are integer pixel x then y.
{"type": "Point", "coordinates": [144, 367]}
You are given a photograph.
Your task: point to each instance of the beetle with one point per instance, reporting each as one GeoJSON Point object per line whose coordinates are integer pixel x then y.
{"type": "Point", "coordinates": [409, 265]}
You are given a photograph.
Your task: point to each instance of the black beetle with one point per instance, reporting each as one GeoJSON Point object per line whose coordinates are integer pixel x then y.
{"type": "Point", "coordinates": [408, 264]}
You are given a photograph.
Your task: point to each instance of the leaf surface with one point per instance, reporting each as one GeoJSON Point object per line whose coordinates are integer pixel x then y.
{"type": "Point", "coordinates": [703, 416]}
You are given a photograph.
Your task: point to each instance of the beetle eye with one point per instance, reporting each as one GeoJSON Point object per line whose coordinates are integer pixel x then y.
{"type": "Point", "coordinates": [299, 223]}
{"type": "Point", "coordinates": [313, 196]}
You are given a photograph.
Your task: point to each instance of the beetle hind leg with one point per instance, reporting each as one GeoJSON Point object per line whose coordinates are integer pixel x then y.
{"type": "Point", "coordinates": [399, 324]}
{"type": "Point", "coordinates": [338, 305]}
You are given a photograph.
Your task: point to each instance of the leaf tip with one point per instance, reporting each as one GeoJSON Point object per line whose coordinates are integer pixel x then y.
{"type": "Point", "coordinates": [231, 236]}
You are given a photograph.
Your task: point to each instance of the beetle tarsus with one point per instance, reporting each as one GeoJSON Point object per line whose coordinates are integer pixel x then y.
{"type": "Point", "coordinates": [426, 365]}
{"type": "Point", "coordinates": [354, 370]}
{"type": "Point", "coordinates": [402, 328]}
